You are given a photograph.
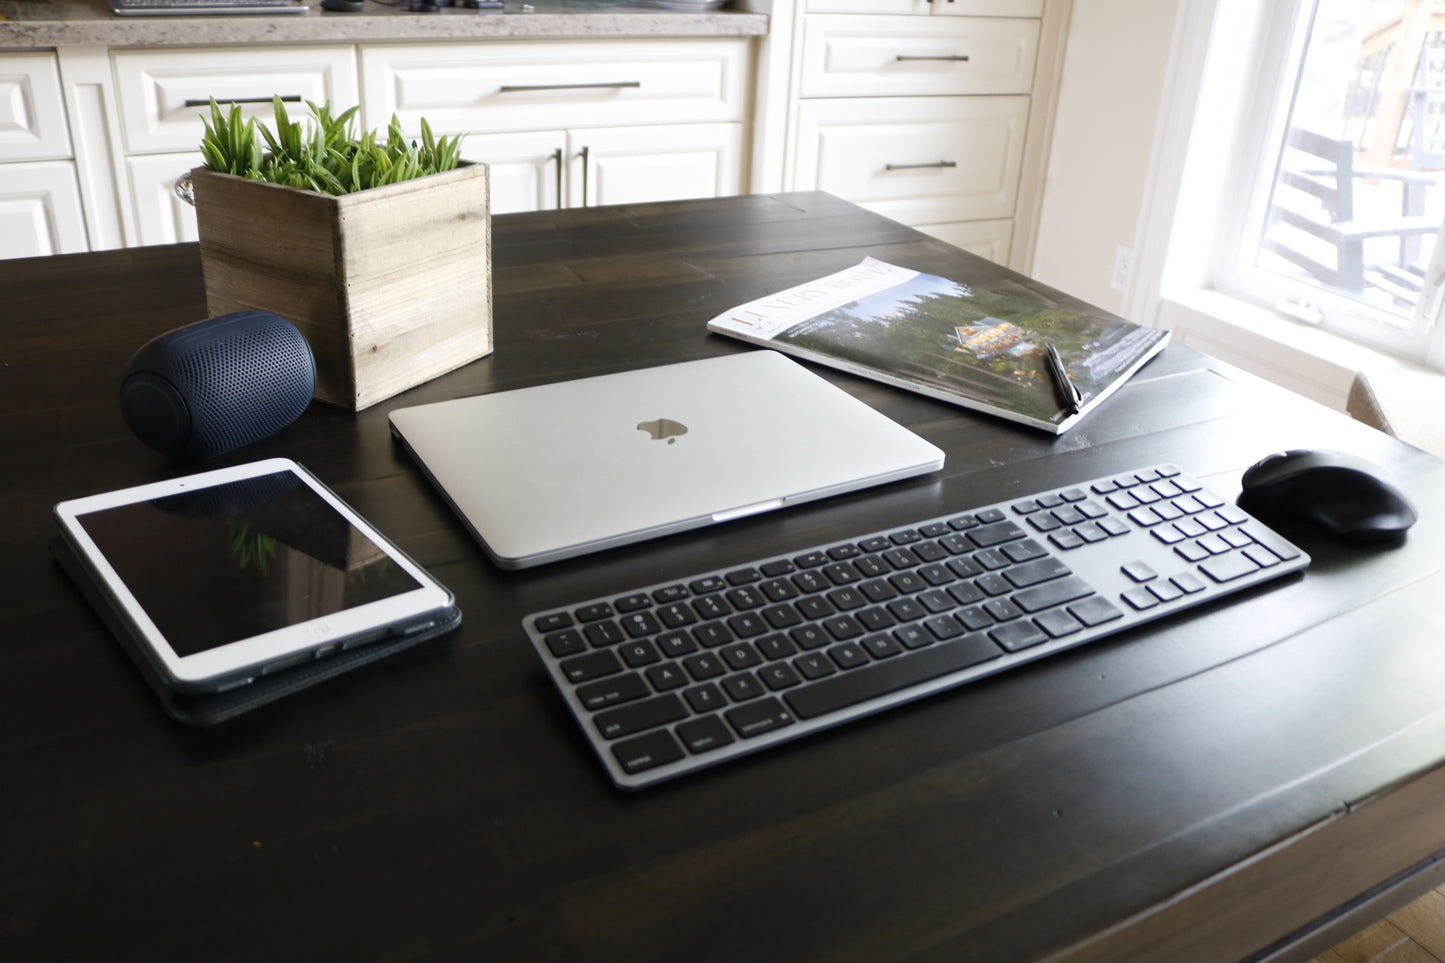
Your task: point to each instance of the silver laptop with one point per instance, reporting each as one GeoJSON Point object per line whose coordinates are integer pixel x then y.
{"type": "Point", "coordinates": [546, 473]}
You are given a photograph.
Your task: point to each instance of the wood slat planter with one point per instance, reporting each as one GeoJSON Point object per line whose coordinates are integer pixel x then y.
{"type": "Point", "coordinates": [391, 286]}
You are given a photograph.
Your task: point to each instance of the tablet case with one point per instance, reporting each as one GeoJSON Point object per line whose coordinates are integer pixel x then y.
{"type": "Point", "coordinates": [208, 709]}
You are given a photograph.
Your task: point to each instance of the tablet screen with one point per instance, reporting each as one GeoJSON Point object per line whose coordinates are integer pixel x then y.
{"type": "Point", "coordinates": [232, 561]}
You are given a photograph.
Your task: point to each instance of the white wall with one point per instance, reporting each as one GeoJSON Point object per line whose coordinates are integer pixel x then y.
{"type": "Point", "coordinates": [1108, 106]}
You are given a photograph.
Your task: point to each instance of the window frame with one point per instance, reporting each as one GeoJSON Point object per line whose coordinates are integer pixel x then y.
{"type": "Point", "coordinates": [1225, 106]}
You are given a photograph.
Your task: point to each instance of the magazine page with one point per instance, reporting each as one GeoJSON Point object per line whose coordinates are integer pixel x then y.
{"type": "Point", "coordinates": [979, 346]}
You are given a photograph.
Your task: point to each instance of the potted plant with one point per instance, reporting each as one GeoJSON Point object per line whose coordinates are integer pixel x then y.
{"type": "Point", "coordinates": [380, 252]}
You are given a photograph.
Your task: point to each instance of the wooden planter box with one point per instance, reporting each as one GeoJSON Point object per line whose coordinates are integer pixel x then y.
{"type": "Point", "coordinates": [391, 286]}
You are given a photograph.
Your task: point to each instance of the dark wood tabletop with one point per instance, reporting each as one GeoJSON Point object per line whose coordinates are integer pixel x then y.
{"type": "Point", "coordinates": [1242, 782]}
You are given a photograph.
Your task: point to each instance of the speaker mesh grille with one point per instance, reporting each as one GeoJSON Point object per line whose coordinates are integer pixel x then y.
{"type": "Point", "coordinates": [246, 384]}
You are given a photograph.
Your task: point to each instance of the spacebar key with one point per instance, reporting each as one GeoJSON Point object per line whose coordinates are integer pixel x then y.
{"type": "Point", "coordinates": [881, 678]}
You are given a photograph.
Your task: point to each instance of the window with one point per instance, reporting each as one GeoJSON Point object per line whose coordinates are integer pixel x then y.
{"type": "Point", "coordinates": [1341, 221]}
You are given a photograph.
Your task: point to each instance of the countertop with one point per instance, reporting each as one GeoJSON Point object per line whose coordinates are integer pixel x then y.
{"type": "Point", "coordinates": [30, 24]}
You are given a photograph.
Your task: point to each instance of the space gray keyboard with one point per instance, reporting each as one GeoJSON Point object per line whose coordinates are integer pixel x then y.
{"type": "Point", "coordinates": [674, 677]}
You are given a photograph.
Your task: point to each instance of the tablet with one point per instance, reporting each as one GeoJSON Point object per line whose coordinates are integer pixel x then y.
{"type": "Point", "coordinates": [231, 574]}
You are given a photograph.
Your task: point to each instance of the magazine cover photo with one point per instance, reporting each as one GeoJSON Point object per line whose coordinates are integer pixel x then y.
{"type": "Point", "coordinates": [985, 343]}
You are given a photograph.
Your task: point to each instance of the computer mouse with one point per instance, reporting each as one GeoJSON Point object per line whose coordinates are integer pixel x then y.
{"type": "Point", "coordinates": [1342, 493]}
{"type": "Point", "coordinates": [342, 6]}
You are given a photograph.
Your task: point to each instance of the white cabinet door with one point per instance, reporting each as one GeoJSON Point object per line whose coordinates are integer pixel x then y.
{"type": "Point", "coordinates": [636, 164]}
{"type": "Point", "coordinates": [987, 239]}
{"type": "Point", "coordinates": [161, 216]}
{"type": "Point", "coordinates": [609, 165]}
{"type": "Point", "coordinates": [525, 169]}
{"type": "Point", "coordinates": [919, 160]}
{"type": "Point", "coordinates": [40, 210]}
{"type": "Point", "coordinates": [32, 110]}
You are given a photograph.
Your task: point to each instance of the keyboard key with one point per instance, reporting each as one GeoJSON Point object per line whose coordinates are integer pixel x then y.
{"type": "Point", "coordinates": [591, 613]}
{"type": "Point", "coordinates": [742, 687]}
{"type": "Point", "coordinates": [639, 624]}
{"type": "Point", "coordinates": [881, 678]}
{"type": "Point", "coordinates": [1049, 594]}
{"type": "Point", "coordinates": [608, 692]}
{"type": "Point", "coordinates": [637, 716]}
{"type": "Point", "coordinates": [666, 677]}
{"type": "Point", "coordinates": [638, 654]}
{"type": "Point", "coordinates": [553, 622]}
{"type": "Point", "coordinates": [593, 665]}
{"type": "Point", "coordinates": [742, 656]}
{"type": "Point", "coordinates": [603, 634]}
{"type": "Point", "coordinates": [631, 603]}
{"type": "Point", "coordinates": [1095, 611]}
{"type": "Point", "coordinates": [779, 676]}
{"type": "Point", "coordinates": [565, 643]}
{"type": "Point", "coordinates": [704, 665]}
{"type": "Point", "coordinates": [647, 752]}
{"type": "Point", "coordinates": [705, 698]}
{"type": "Point", "coordinates": [701, 735]}
{"type": "Point", "coordinates": [757, 718]}
{"type": "Point", "coordinates": [1226, 568]}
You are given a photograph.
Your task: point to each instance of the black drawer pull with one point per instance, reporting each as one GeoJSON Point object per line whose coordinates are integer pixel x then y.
{"type": "Point", "coordinates": [289, 98]}
{"type": "Point", "coordinates": [600, 86]}
{"type": "Point", "coordinates": [953, 57]}
{"type": "Point", "coordinates": [914, 167]}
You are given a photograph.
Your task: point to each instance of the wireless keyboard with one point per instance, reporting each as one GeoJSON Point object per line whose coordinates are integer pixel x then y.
{"type": "Point", "coordinates": [674, 677]}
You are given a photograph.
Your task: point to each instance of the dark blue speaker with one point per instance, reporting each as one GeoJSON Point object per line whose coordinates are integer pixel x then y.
{"type": "Point", "coordinates": [213, 386]}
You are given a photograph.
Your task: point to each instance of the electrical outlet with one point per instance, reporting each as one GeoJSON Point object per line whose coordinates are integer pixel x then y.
{"type": "Point", "coordinates": [1123, 264]}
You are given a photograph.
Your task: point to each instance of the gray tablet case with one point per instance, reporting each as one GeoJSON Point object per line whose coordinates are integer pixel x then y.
{"type": "Point", "coordinates": [212, 708]}
{"type": "Point", "coordinates": [557, 470]}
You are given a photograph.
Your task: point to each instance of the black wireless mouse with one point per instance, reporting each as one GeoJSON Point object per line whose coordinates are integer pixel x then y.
{"type": "Point", "coordinates": [1339, 492]}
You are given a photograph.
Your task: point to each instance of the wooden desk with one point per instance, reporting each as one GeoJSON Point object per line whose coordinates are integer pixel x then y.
{"type": "Point", "coordinates": [1205, 790]}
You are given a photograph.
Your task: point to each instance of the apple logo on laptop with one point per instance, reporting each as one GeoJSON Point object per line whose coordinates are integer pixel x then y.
{"type": "Point", "coordinates": [660, 428]}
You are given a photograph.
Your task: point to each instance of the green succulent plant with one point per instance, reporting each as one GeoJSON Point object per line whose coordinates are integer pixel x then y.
{"type": "Point", "coordinates": [324, 154]}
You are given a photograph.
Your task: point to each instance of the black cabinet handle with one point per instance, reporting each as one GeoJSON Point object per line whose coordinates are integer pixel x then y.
{"type": "Point", "coordinates": [557, 159]}
{"type": "Point", "coordinates": [954, 57]}
{"type": "Point", "coordinates": [617, 85]}
{"type": "Point", "coordinates": [288, 98]}
{"type": "Point", "coordinates": [914, 167]}
{"type": "Point", "coordinates": [586, 152]}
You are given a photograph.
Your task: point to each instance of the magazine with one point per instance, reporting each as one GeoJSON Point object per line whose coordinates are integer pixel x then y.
{"type": "Point", "coordinates": [982, 346]}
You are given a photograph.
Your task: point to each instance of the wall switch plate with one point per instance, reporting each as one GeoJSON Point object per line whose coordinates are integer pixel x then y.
{"type": "Point", "coordinates": [1123, 264]}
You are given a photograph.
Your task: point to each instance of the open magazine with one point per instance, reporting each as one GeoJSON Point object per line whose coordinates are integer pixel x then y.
{"type": "Point", "coordinates": [983, 347]}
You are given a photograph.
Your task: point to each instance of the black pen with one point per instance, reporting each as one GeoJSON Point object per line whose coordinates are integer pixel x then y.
{"type": "Point", "coordinates": [1064, 386]}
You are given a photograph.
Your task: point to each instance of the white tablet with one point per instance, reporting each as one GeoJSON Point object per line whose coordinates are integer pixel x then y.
{"type": "Point", "coordinates": [235, 573]}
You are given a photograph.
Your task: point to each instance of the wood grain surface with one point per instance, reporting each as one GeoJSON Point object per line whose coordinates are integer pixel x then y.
{"type": "Point", "coordinates": [1228, 785]}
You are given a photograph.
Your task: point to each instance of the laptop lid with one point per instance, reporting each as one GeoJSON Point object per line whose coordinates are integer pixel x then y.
{"type": "Point", "coordinates": [549, 472]}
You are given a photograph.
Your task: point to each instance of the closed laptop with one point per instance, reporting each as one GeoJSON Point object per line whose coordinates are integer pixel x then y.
{"type": "Point", "coordinates": [549, 472]}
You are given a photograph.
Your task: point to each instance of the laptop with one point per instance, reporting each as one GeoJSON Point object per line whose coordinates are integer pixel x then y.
{"type": "Point", "coordinates": [202, 8]}
{"type": "Point", "coordinates": [551, 472]}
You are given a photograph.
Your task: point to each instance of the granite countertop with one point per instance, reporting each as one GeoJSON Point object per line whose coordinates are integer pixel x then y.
{"type": "Point", "coordinates": [29, 24]}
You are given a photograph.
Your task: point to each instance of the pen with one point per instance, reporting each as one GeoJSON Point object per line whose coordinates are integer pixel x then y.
{"type": "Point", "coordinates": [1064, 387]}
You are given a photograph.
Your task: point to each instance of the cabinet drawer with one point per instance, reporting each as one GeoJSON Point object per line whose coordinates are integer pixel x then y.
{"type": "Point", "coordinates": [921, 160]}
{"type": "Point", "coordinates": [164, 93]}
{"type": "Point", "coordinates": [864, 56]}
{"type": "Point", "coordinates": [32, 110]}
{"type": "Point", "coordinates": [530, 86]}
{"type": "Point", "coordinates": [955, 8]}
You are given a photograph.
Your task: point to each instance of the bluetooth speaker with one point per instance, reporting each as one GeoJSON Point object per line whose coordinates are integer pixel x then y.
{"type": "Point", "coordinates": [216, 385]}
